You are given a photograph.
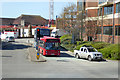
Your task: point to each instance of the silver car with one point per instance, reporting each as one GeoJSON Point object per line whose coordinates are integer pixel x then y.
{"type": "Point", "coordinates": [10, 39]}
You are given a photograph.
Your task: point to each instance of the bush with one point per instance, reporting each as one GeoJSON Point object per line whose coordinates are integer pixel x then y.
{"type": "Point", "coordinates": [111, 52]}
{"type": "Point", "coordinates": [83, 43]}
{"type": "Point", "coordinates": [65, 38]}
{"type": "Point", "coordinates": [100, 45]}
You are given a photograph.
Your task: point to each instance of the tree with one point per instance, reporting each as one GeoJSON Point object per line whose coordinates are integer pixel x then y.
{"type": "Point", "coordinates": [68, 21]}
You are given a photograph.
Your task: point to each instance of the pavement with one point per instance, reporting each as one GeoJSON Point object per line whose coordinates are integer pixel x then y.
{"type": "Point", "coordinates": [32, 55]}
{"type": "Point", "coordinates": [15, 64]}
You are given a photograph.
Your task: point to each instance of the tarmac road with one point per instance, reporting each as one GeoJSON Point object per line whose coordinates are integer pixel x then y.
{"type": "Point", "coordinates": [15, 64]}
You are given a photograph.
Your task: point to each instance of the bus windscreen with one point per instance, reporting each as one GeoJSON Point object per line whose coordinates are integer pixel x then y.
{"type": "Point", "coordinates": [52, 46]}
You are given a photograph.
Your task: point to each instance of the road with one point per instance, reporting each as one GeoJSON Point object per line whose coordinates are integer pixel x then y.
{"type": "Point", "coordinates": [15, 64]}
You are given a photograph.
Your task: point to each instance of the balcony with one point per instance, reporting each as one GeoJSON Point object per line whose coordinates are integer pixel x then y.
{"type": "Point", "coordinates": [103, 3]}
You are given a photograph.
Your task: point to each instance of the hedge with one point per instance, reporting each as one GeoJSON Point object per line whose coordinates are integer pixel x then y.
{"type": "Point", "coordinates": [111, 52]}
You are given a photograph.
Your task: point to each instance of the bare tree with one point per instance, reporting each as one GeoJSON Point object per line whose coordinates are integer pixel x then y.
{"type": "Point", "coordinates": [68, 20]}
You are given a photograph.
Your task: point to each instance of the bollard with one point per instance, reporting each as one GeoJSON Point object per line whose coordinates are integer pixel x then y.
{"type": "Point", "coordinates": [38, 55]}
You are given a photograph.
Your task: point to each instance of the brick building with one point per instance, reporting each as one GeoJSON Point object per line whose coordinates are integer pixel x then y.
{"type": "Point", "coordinates": [24, 24]}
{"type": "Point", "coordinates": [101, 20]}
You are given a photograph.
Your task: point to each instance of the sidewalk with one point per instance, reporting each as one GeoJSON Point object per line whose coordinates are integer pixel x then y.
{"type": "Point", "coordinates": [32, 55]}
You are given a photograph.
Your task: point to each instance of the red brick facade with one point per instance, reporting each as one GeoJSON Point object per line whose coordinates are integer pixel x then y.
{"type": "Point", "coordinates": [105, 23]}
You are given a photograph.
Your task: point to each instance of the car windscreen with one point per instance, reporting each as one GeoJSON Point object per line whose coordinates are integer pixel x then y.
{"type": "Point", "coordinates": [91, 50]}
{"type": "Point", "coordinates": [53, 32]}
{"type": "Point", "coordinates": [11, 37]}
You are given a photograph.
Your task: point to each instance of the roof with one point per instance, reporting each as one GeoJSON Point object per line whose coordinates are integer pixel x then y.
{"type": "Point", "coordinates": [31, 19]}
{"type": "Point", "coordinates": [47, 37]}
{"type": "Point", "coordinates": [6, 21]}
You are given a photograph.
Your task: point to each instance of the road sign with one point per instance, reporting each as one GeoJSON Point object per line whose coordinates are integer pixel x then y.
{"type": "Point", "coordinates": [37, 55]}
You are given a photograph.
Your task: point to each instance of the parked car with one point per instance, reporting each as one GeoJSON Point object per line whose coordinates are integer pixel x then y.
{"type": "Point", "coordinates": [10, 39]}
{"type": "Point", "coordinates": [88, 52]}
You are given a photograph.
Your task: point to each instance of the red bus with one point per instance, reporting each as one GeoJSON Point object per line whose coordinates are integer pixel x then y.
{"type": "Point", "coordinates": [49, 46]}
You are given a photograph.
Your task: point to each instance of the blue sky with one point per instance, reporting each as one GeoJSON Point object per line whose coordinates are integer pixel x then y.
{"type": "Point", "coordinates": [15, 9]}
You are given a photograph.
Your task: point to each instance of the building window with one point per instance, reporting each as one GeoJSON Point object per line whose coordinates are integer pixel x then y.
{"type": "Point", "coordinates": [118, 8]}
{"type": "Point", "coordinates": [99, 30]}
{"type": "Point", "coordinates": [117, 30]}
{"type": "Point", "coordinates": [80, 6]}
{"type": "Point", "coordinates": [108, 10]}
{"type": "Point", "coordinates": [99, 11]}
{"type": "Point", "coordinates": [102, 1]}
{"type": "Point", "coordinates": [86, 12]}
{"type": "Point", "coordinates": [107, 30]}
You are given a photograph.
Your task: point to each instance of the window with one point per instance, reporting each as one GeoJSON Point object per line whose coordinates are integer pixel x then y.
{"type": "Point", "coordinates": [52, 46]}
{"type": "Point", "coordinates": [81, 49]}
{"type": "Point", "coordinates": [107, 30]}
{"type": "Point", "coordinates": [102, 1]}
{"type": "Point", "coordinates": [108, 10]}
{"type": "Point", "coordinates": [118, 8]}
{"type": "Point", "coordinates": [86, 12]}
{"type": "Point", "coordinates": [99, 30]}
{"type": "Point", "coordinates": [117, 30]}
{"type": "Point", "coordinates": [98, 12]}
{"type": "Point", "coordinates": [85, 50]}
{"type": "Point", "coordinates": [92, 50]}
{"type": "Point", "coordinates": [80, 5]}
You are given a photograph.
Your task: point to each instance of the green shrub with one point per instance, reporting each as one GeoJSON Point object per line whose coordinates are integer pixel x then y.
{"type": "Point", "coordinates": [111, 52]}
{"type": "Point", "coordinates": [100, 45]}
{"type": "Point", "coordinates": [86, 43]}
{"type": "Point", "coordinates": [65, 38]}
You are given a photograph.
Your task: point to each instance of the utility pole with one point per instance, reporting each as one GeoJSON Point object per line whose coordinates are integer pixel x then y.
{"type": "Point", "coordinates": [113, 24]}
{"type": "Point", "coordinates": [102, 25]}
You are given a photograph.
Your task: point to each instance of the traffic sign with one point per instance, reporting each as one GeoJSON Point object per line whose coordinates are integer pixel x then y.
{"type": "Point", "coordinates": [37, 55]}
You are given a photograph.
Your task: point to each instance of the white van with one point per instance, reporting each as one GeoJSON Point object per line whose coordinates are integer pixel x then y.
{"type": "Point", "coordinates": [55, 33]}
{"type": "Point", "coordinates": [58, 32]}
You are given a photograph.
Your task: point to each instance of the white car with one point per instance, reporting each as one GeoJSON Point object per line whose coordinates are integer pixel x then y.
{"type": "Point", "coordinates": [10, 39]}
{"type": "Point", "coordinates": [89, 53]}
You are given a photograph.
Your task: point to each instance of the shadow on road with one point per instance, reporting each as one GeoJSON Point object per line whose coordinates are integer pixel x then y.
{"type": "Point", "coordinates": [6, 56]}
{"type": "Point", "coordinates": [65, 55]}
{"type": "Point", "coordinates": [103, 60]}
{"type": "Point", "coordinates": [12, 46]}
{"type": "Point", "coordinates": [61, 55]}
{"type": "Point", "coordinates": [63, 49]}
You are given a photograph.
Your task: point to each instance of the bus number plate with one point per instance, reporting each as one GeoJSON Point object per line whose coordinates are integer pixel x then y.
{"type": "Point", "coordinates": [52, 54]}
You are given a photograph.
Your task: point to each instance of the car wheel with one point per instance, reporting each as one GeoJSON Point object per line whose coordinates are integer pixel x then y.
{"type": "Point", "coordinates": [89, 58]}
{"type": "Point", "coordinates": [77, 56]}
